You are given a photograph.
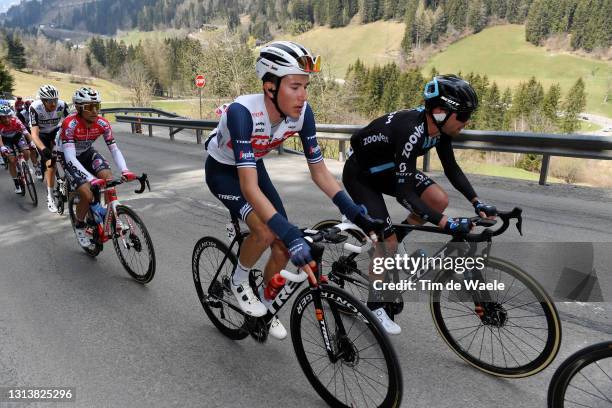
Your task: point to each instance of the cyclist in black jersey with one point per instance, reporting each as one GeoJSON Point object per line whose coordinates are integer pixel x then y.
{"type": "Point", "coordinates": [383, 161]}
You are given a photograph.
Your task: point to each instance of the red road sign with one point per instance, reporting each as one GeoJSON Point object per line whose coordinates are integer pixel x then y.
{"type": "Point", "coordinates": [200, 81]}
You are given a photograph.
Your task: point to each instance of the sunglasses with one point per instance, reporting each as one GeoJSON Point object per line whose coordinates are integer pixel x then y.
{"type": "Point", "coordinates": [50, 101]}
{"type": "Point", "coordinates": [309, 64]}
{"type": "Point", "coordinates": [91, 107]}
{"type": "Point", "coordinates": [463, 116]}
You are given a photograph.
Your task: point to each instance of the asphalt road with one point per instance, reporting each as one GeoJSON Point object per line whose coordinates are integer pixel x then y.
{"type": "Point", "coordinates": [69, 320]}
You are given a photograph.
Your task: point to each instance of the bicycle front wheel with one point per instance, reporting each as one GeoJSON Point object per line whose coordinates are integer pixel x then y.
{"type": "Point", "coordinates": [133, 245]}
{"type": "Point", "coordinates": [584, 379]}
{"type": "Point", "coordinates": [210, 256]}
{"type": "Point", "coordinates": [364, 370]}
{"type": "Point", "coordinates": [29, 183]}
{"type": "Point", "coordinates": [513, 333]}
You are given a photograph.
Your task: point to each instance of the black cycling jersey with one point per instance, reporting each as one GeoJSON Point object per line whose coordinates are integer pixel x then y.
{"type": "Point", "coordinates": [389, 146]}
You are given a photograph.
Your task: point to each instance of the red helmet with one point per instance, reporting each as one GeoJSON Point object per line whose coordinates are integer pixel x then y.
{"type": "Point", "coordinates": [18, 102]}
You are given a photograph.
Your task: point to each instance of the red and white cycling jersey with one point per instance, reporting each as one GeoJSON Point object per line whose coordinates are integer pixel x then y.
{"type": "Point", "coordinates": [76, 137]}
{"type": "Point", "coordinates": [13, 128]}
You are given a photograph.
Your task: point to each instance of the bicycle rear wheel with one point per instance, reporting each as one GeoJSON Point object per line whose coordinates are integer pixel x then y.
{"type": "Point", "coordinates": [133, 245]}
{"type": "Point", "coordinates": [584, 379]}
{"type": "Point", "coordinates": [94, 249]}
{"type": "Point", "coordinates": [364, 371]}
{"type": "Point", "coordinates": [29, 183]}
{"type": "Point", "coordinates": [515, 333]}
{"type": "Point", "coordinates": [215, 294]}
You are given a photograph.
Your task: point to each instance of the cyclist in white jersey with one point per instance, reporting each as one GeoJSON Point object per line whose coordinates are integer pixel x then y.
{"type": "Point", "coordinates": [249, 128]}
{"type": "Point", "coordinates": [46, 115]}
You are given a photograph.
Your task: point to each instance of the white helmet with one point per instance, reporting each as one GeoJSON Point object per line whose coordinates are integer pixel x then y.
{"type": "Point", "coordinates": [86, 95]}
{"type": "Point", "coordinates": [48, 92]}
{"type": "Point", "coordinates": [282, 58]}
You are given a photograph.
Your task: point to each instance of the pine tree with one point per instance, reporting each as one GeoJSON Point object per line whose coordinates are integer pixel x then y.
{"type": "Point", "coordinates": [574, 103]}
{"type": "Point", "coordinates": [538, 23]}
{"type": "Point", "coordinates": [16, 52]}
{"type": "Point", "coordinates": [409, 21]}
{"type": "Point", "coordinates": [550, 105]}
{"type": "Point", "coordinates": [476, 15]}
{"type": "Point", "coordinates": [6, 80]}
{"type": "Point", "coordinates": [334, 13]}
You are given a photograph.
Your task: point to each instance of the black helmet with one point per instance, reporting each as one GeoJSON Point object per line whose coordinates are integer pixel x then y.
{"type": "Point", "coordinates": [450, 92]}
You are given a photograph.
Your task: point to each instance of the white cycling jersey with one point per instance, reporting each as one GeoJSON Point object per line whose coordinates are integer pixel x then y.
{"type": "Point", "coordinates": [47, 122]}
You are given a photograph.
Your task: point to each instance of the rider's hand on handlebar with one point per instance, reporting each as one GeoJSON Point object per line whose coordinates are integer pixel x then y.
{"type": "Point", "coordinates": [99, 183]}
{"type": "Point", "coordinates": [4, 150]}
{"type": "Point", "coordinates": [128, 176]}
{"type": "Point", "coordinates": [369, 225]}
{"type": "Point", "coordinates": [459, 225]}
{"type": "Point", "coordinates": [32, 146]}
{"type": "Point", "coordinates": [299, 250]}
{"type": "Point", "coordinates": [484, 210]}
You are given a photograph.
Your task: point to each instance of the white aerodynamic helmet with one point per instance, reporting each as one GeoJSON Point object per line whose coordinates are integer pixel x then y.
{"type": "Point", "coordinates": [282, 58]}
{"type": "Point", "coordinates": [48, 92]}
{"type": "Point", "coordinates": [86, 95]}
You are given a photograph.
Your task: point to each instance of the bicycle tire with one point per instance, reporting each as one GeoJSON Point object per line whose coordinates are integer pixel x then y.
{"type": "Point", "coordinates": [350, 356]}
{"type": "Point", "coordinates": [340, 271]}
{"type": "Point", "coordinates": [576, 366]}
{"type": "Point", "coordinates": [212, 295]}
{"type": "Point", "coordinates": [97, 245]}
{"type": "Point", "coordinates": [532, 363]}
{"type": "Point", "coordinates": [20, 178]}
{"type": "Point", "coordinates": [136, 243]}
{"type": "Point", "coordinates": [29, 183]}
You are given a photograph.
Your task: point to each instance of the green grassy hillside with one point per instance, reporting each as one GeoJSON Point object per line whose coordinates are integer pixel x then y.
{"type": "Point", "coordinates": [27, 85]}
{"type": "Point", "coordinates": [502, 53]}
{"type": "Point", "coordinates": [375, 43]}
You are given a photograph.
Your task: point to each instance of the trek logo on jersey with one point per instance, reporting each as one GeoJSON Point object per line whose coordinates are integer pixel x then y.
{"type": "Point", "coordinates": [247, 155]}
{"type": "Point", "coordinates": [228, 197]}
{"type": "Point", "coordinates": [413, 139]}
{"type": "Point", "coordinates": [376, 138]}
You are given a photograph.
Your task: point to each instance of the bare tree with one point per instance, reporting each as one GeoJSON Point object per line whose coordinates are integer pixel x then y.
{"type": "Point", "coordinates": [135, 76]}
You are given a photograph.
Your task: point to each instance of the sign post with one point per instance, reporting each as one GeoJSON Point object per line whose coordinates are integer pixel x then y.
{"type": "Point", "coordinates": [200, 82]}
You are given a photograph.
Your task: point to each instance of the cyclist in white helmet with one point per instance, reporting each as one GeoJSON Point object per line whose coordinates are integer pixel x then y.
{"type": "Point", "coordinates": [46, 115]}
{"type": "Point", "coordinates": [249, 128]}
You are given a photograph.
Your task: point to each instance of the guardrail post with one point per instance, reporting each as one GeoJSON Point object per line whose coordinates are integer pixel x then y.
{"type": "Point", "coordinates": [341, 148]}
{"type": "Point", "coordinates": [171, 134]}
{"type": "Point", "coordinates": [199, 136]}
{"type": "Point", "coordinates": [544, 169]}
{"type": "Point", "coordinates": [150, 130]}
{"type": "Point", "coordinates": [426, 162]}
{"type": "Point", "coordinates": [132, 127]}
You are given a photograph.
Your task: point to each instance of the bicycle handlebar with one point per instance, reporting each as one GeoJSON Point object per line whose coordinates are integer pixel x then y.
{"type": "Point", "coordinates": [487, 234]}
{"type": "Point", "coordinates": [115, 182]}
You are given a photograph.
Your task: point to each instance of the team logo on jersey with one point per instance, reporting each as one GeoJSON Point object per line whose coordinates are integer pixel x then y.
{"type": "Point", "coordinates": [413, 139]}
{"type": "Point", "coordinates": [390, 117]}
{"type": "Point", "coordinates": [375, 138]}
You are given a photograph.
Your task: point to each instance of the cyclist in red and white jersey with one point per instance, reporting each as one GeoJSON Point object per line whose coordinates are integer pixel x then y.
{"type": "Point", "coordinates": [84, 166]}
{"type": "Point", "coordinates": [12, 134]}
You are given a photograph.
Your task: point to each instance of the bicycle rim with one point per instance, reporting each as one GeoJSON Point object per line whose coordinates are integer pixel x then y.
{"type": "Point", "coordinates": [518, 334]}
{"type": "Point", "coordinates": [29, 182]}
{"type": "Point", "coordinates": [584, 379]}
{"type": "Point", "coordinates": [366, 372]}
{"type": "Point", "coordinates": [215, 295]}
{"type": "Point", "coordinates": [133, 245]}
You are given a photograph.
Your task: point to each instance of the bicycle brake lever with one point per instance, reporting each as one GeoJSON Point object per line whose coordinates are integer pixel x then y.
{"type": "Point", "coordinates": [519, 225]}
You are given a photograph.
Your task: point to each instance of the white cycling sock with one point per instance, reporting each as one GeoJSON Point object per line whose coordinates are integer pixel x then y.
{"type": "Point", "coordinates": [49, 192]}
{"type": "Point", "coordinates": [240, 274]}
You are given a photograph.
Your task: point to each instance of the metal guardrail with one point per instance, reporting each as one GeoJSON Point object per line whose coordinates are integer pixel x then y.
{"type": "Point", "coordinates": [150, 111]}
{"type": "Point", "coordinates": [548, 145]}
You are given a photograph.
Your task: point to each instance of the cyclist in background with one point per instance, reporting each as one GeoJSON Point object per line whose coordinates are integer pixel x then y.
{"type": "Point", "coordinates": [46, 115]}
{"type": "Point", "coordinates": [84, 166]}
{"type": "Point", "coordinates": [12, 132]}
{"type": "Point", "coordinates": [22, 114]}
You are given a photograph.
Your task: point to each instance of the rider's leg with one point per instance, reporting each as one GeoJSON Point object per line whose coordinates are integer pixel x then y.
{"type": "Point", "coordinates": [85, 198]}
{"type": "Point", "coordinates": [12, 165]}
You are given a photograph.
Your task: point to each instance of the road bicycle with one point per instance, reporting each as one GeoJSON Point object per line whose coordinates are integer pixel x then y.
{"type": "Point", "coordinates": [62, 190]}
{"type": "Point", "coordinates": [120, 223]}
{"type": "Point", "coordinates": [346, 357]}
{"type": "Point", "coordinates": [510, 333]}
{"type": "Point", "coordinates": [24, 175]}
{"type": "Point", "coordinates": [584, 379]}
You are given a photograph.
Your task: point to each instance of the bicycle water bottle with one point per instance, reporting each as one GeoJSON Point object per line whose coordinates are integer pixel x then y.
{"type": "Point", "coordinates": [274, 286]}
{"type": "Point", "coordinates": [99, 212]}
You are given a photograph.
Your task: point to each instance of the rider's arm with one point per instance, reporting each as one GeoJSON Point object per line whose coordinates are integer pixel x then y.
{"type": "Point", "coordinates": [318, 170]}
{"type": "Point", "coordinates": [35, 129]}
{"type": "Point", "coordinates": [452, 170]}
{"type": "Point", "coordinates": [113, 148]}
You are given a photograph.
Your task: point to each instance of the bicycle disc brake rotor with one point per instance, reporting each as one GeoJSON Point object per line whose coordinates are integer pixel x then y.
{"type": "Point", "coordinates": [492, 314]}
{"type": "Point", "coordinates": [347, 351]}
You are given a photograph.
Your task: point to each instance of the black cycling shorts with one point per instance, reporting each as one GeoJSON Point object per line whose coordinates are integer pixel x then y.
{"type": "Point", "coordinates": [93, 162]}
{"type": "Point", "coordinates": [48, 140]}
{"type": "Point", "coordinates": [368, 189]}
{"type": "Point", "coordinates": [223, 182]}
